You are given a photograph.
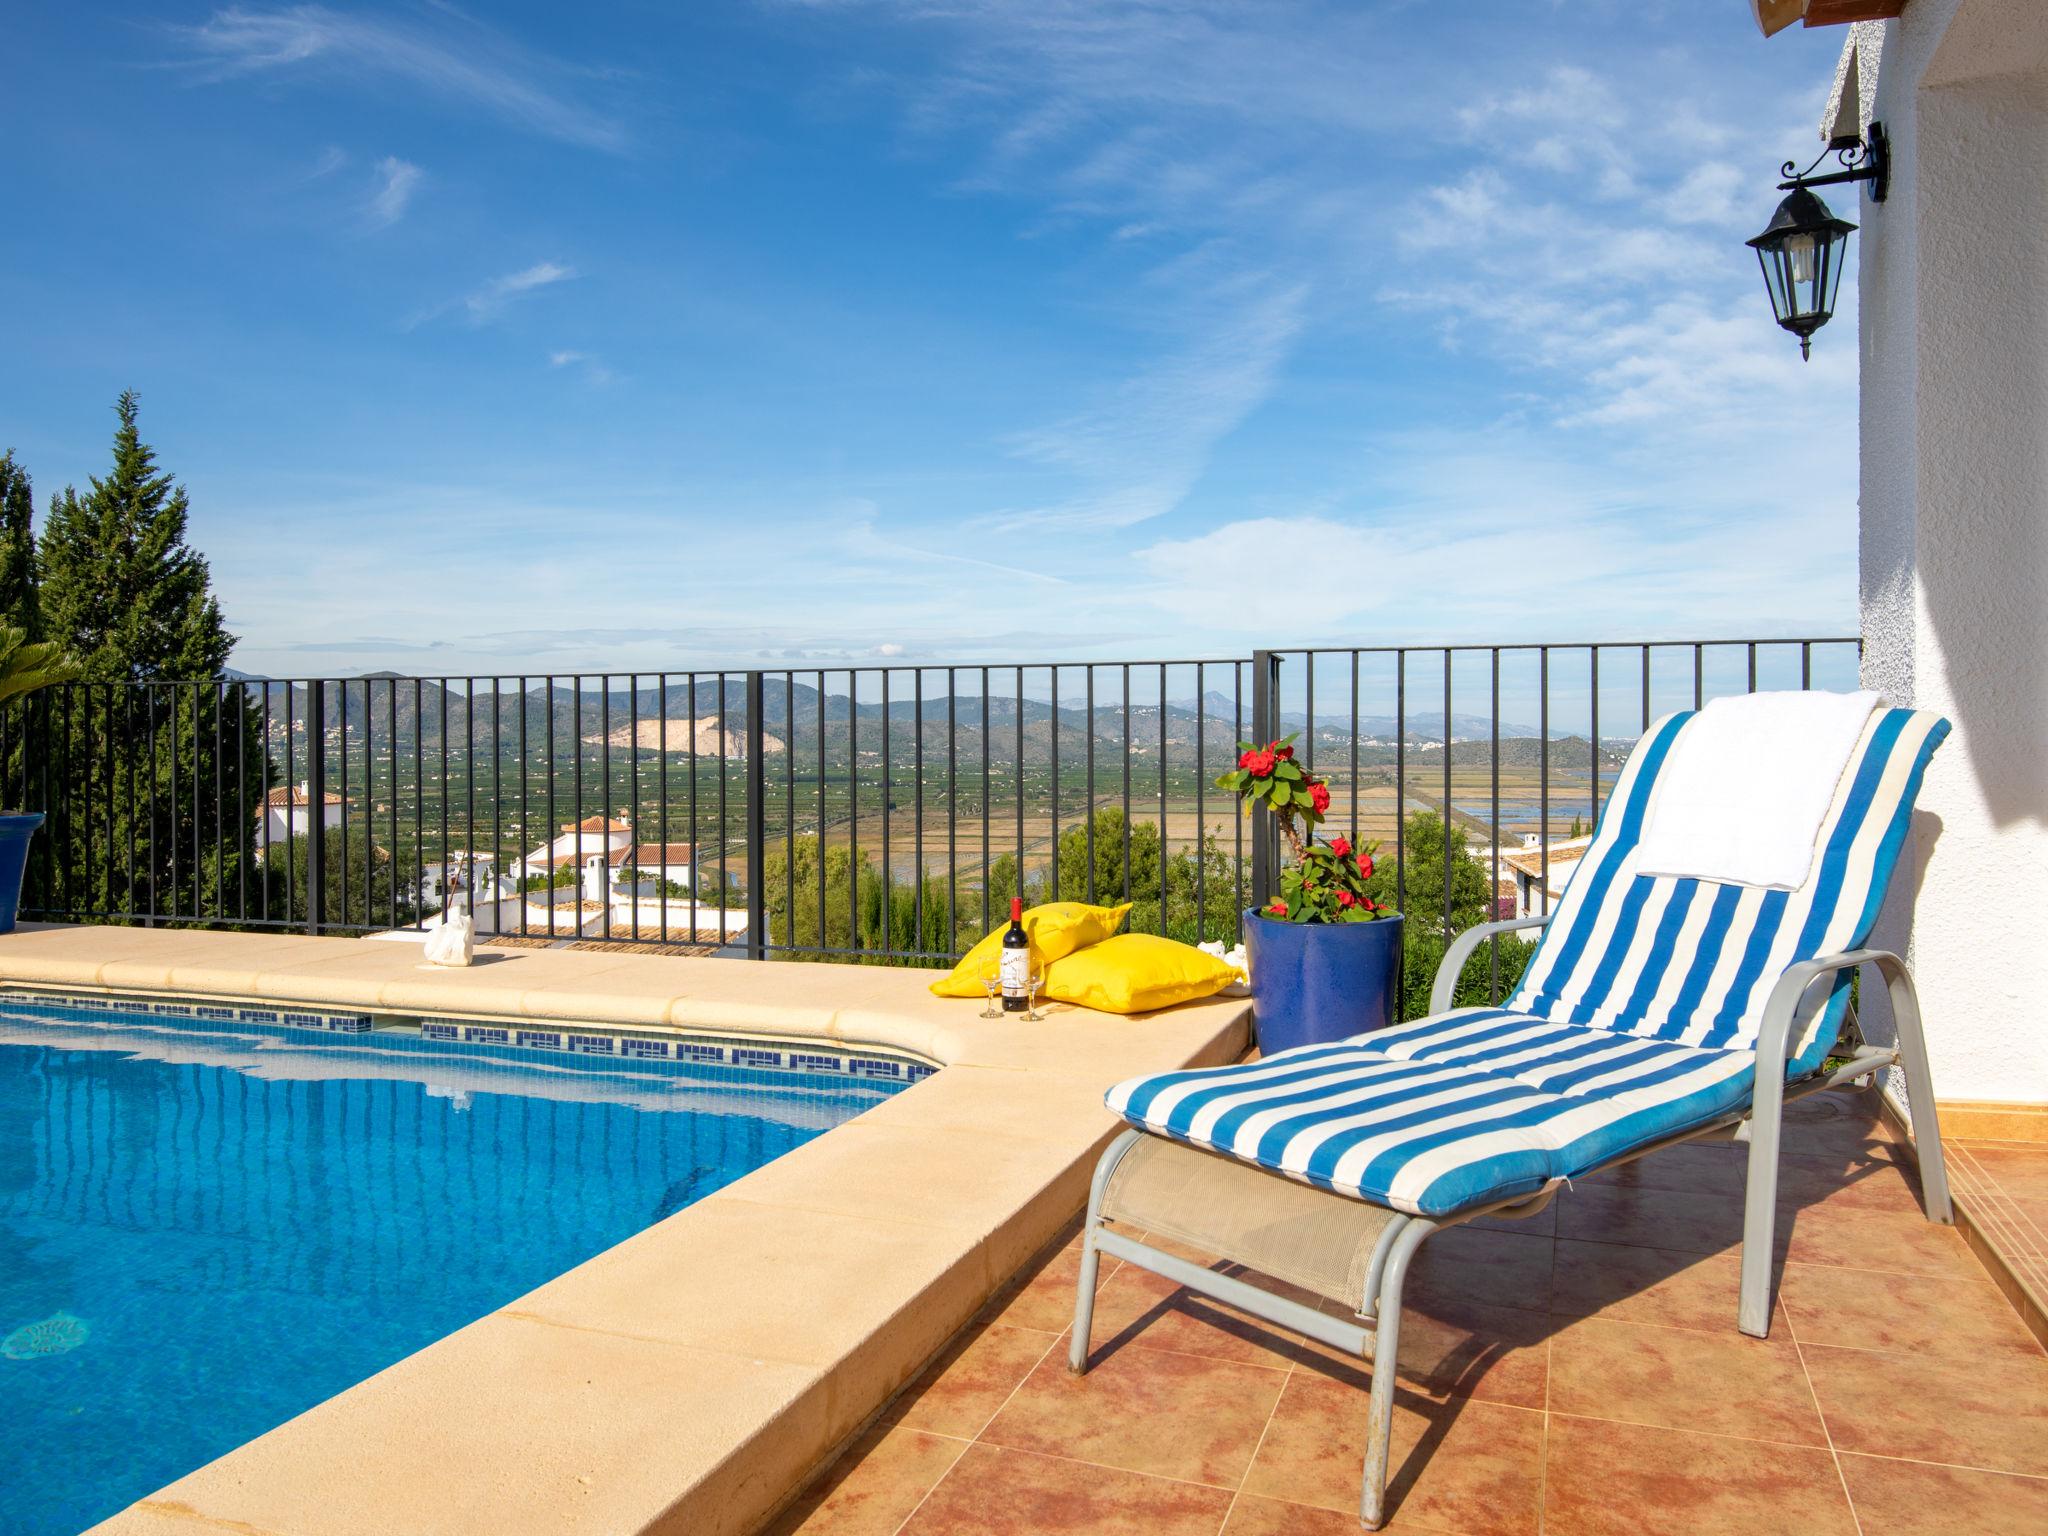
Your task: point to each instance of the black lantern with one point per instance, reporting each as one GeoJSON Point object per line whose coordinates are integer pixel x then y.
{"type": "Point", "coordinates": [1802, 250]}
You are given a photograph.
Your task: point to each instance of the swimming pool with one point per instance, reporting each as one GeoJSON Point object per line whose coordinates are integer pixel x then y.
{"type": "Point", "coordinates": [209, 1223]}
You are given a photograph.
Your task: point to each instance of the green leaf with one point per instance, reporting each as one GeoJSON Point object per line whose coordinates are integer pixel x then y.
{"type": "Point", "coordinates": [27, 665]}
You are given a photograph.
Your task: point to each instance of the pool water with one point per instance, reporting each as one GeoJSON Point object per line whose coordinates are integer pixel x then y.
{"type": "Point", "coordinates": [206, 1231]}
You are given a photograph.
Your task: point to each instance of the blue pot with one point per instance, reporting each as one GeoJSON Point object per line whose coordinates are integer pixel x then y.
{"type": "Point", "coordinates": [15, 831]}
{"type": "Point", "coordinates": [1317, 982]}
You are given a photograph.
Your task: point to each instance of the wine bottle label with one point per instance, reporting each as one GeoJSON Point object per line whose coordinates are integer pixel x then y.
{"type": "Point", "coordinates": [1016, 972]}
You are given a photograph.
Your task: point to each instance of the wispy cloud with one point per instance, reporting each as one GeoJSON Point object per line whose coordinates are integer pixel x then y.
{"type": "Point", "coordinates": [489, 301]}
{"type": "Point", "coordinates": [444, 54]}
{"type": "Point", "coordinates": [1139, 450]}
{"type": "Point", "coordinates": [592, 370]}
{"type": "Point", "coordinates": [397, 181]}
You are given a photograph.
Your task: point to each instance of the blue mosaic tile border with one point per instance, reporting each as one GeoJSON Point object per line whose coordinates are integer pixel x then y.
{"type": "Point", "coordinates": [217, 1013]}
{"type": "Point", "coordinates": [708, 1051]}
{"type": "Point", "coordinates": [764, 1054]}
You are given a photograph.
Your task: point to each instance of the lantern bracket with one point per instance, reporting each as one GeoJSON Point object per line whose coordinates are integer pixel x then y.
{"type": "Point", "coordinates": [1865, 159]}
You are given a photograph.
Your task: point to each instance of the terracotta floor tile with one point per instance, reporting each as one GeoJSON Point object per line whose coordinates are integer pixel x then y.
{"type": "Point", "coordinates": [1136, 1306]}
{"type": "Point", "coordinates": [1825, 1123]}
{"type": "Point", "coordinates": [1700, 1167]}
{"type": "Point", "coordinates": [1491, 1354]}
{"type": "Point", "coordinates": [1276, 1517]}
{"type": "Point", "coordinates": [1906, 1498]}
{"type": "Point", "coordinates": [1986, 1412]}
{"type": "Point", "coordinates": [1042, 1295]}
{"type": "Point", "coordinates": [872, 1488]}
{"type": "Point", "coordinates": [1863, 1237]}
{"type": "Point", "coordinates": [1646, 1285]}
{"type": "Point", "coordinates": [2033, 1210]}
{"type": "Point", "coordinates": [1503, 1269]}
{"type": "Point", "coordinates": [994, 1492]}
{"type": "Point", "coordinates": [1496, 1354]}
{"type": "Point", "coordinates": [1461, 1466]}
{"type": "Point", "coordinates": [1144, 1410]}
{"type": "Point", "coordinates": [2021, 1172]}
{"type": "Point", "coordinates": [1652, 1218]}
{"type": "Point", "coordinates": [1882, 1175]}
{"type": "Point", "coordinates": [961, 1391]}
{"type": "Point", "coordinates": [1603, 1479]}
{"type": "Point", "coordinates": [1679, 1378]}
{"type": "Point", "coordinates": [1959, 1318]}
{"type": "Point", "coordinates": [1542, 1224]}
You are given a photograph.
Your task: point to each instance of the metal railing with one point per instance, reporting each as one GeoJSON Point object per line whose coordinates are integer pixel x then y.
{"type": "Point", "coordinates": [873, 813]}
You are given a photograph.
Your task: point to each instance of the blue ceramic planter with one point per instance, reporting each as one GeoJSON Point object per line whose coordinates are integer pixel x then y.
{"type": "Point", "coordinates": [1317, 982]}
{"type": "Point", "coordinates": [15, 831]}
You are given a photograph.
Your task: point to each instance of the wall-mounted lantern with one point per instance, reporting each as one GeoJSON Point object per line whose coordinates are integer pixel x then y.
{"type": "Point", "coordinates": [1801, 250]}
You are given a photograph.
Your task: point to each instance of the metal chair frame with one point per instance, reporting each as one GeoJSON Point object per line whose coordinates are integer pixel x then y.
{"type": "Point", "coordinates": [1377, 1333]}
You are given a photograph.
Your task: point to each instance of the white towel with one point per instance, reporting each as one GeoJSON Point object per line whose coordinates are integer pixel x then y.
{"type": "Point", "coordinates": [1748, 784]}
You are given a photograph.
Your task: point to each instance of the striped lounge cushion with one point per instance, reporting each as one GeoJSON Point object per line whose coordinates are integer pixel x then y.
{"type": "Point", "coordinates": [1636, 1019]}
{"type": "Point", "coordinates": [1446, 1113]}
{"type": "Point", "coordinates": [1694, 961]}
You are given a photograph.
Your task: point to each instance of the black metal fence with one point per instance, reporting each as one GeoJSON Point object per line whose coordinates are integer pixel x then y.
{"type": "Point", "coordinates": [875, 813]}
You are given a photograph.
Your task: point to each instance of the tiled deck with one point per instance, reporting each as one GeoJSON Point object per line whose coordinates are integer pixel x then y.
{"type": "Point", "coordinates": [1577, 1373]}
{"type": "Point", "coordinates": [2003, 1188]}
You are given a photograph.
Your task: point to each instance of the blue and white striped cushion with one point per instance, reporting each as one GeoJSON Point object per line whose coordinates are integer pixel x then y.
{"type": "Point", "coordinates": [1695, 961]}
{"type": "Point", "coordinates": [1637, 1018]}
{"type": "Point", "coordinates": [1461, 1110]}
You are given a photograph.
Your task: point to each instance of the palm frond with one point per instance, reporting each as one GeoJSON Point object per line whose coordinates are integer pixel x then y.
{"type": "Point", "coordinates": [28, 665]}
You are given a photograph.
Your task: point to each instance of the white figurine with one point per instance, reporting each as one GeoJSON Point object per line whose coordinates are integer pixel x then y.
{"type": "Point", "coordinates": [452, 939]}
{"type": "Point", "coordinates": [1232, 956]}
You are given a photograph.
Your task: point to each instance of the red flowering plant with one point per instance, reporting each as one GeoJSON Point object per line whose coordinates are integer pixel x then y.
{"type": "Point", "coordinates": [1325, 882]}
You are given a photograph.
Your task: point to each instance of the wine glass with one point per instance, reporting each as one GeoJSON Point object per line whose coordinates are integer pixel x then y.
{"type": "Point", "coordinates": [1033, 985]}
{"type": "Point", "coordinates": [992, 986]}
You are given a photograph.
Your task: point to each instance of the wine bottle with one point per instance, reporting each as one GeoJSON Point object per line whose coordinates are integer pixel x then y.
{"type": "Point", "coordinates": [1016, 961]}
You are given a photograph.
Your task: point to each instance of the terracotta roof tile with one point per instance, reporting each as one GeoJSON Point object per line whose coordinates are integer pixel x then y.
{"type": "Point", "coordinates": [295, 796]}
{"type": "Point", "coordinates": [654, 855]}
{"type": "Point", "coordinates": [596, 824]}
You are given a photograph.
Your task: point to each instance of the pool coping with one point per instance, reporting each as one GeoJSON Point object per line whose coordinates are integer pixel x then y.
{"type": "Point", "coordinates": [692, 1377]}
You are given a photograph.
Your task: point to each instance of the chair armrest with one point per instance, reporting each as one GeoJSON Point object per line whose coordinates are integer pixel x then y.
{"type": "Point", "coordinates": [1445, 987]}
{"type": "Point", "coordinates": [1781, 1010]}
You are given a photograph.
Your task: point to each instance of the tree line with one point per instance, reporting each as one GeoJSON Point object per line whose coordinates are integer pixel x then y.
{"type": "Point", "coordinates": [150, 789]}
{"type": "Point", "coordinates": [1190, 893]}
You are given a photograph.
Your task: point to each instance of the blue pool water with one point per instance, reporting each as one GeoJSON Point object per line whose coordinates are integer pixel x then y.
{"type": "Point", "coordinates": [204, 1231]}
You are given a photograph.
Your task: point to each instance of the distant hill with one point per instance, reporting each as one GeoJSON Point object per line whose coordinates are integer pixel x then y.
{"type": "Point", "coordinates": [418, 714]}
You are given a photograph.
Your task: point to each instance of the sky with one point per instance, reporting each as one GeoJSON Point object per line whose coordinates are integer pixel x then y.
{"type": "Point", "coordinates": [627, 334]}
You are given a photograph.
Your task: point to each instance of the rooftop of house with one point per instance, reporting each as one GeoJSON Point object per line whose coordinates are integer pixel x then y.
{"type": "Point", "coordinates": [597, 824]}
{"type": "Point", "coordinates": [653, 855]}
{"type": "Point", "coordinates": [1530, 861]}
{"type": "Point", "coordinates": [297, 794]}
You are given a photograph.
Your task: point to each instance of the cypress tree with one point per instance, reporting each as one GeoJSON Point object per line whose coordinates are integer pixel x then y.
{"type": "Point", "coordinates": [155, 763]}
{"type": "Point", "coordinates": [130, 599]}
{"type": "Point", "coordinates": [18, 606]}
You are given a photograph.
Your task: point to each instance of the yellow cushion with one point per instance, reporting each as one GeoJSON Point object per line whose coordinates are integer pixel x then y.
{"type": "Point", "coordinates": [1056, 929]}
{"type": "Point", "coordinates": [1136, 973]}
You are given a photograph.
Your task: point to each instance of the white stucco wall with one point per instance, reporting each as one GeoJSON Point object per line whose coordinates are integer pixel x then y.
{"type": "Point", "coordinates": [1954, 508]}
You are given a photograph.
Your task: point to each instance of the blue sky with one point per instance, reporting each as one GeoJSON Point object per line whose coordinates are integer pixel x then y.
{"type": "Point", "coordinates": [632, 334]}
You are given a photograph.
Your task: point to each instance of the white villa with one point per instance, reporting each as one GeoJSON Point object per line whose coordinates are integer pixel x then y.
{"type": "Point", "coordinates": [288, 813]}
{"type": "Point", "coordinates": [1538, 881]}
{"type": "Point", "coordinates": [610, 860]}
{"type": "Point", "coordinates": [578, 841]}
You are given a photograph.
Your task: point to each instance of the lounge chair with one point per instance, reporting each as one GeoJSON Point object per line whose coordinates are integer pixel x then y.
{"type": "Point", "coordinates": [1655, 1010]}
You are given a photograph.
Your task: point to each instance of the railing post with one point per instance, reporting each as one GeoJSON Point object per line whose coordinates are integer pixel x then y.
{"type": "Point", "coordinates": [316, 803]}
{"type": "Point", "coordinates": [757, 824]}
{"type": "Point", "coordinates": [1265, 728]}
